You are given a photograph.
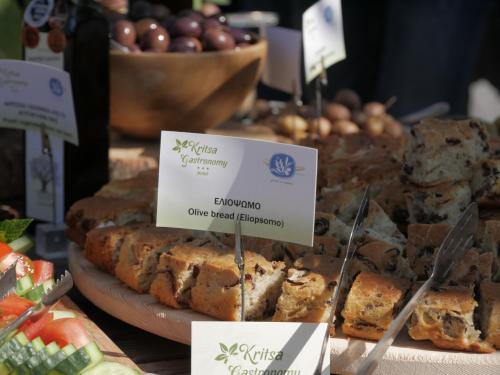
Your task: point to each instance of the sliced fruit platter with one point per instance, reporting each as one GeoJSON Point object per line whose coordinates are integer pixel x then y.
{"type": "Point", "coordinates": [54, 341]}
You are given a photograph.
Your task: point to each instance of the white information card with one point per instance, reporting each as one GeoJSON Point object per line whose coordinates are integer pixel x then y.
{"type": "Point", "coordinates": [206, 182]}
{"type": "Point", "coordinates": [323, 35]}
{"type": "Point", "coordinates": [257, 348]}
{"type": "Point", "coordinates": [36, 97]}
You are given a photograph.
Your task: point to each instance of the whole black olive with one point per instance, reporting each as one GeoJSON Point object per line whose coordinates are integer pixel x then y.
{"type": "Point", "coordinates": [124, 33]}
{"type": "Point", "coordinates": [218, 40]}
{"type": "Point", "coordinates": [186, 26]}
{"type": "Point", "coordinates": [195, 15]}
{"type": "Point", "coordinates": [185, 44]}
{"type": "Point", "coordinates": [321, 226]}
{"type": "Point", "coordinates": [155, 40]}
{"type": "Point", "coordinates": [143, 26]}
{"type": "Point", "coordinates": [243, 36]}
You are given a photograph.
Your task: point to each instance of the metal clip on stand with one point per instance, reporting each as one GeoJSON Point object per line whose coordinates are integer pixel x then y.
{"type": "Point", "coordinates": [239, 259]}
{"type": "Point", "coordinates": [321, 80]}
{"type": "Point", "coordinates": [47, 150]}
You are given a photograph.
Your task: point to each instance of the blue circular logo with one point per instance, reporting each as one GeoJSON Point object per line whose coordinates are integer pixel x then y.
{"type": "Point", "coordinates": [56, 87]}
{"type": "Point", "coordinates": [282, 165]}
{"type": "Point", "coordinates": [328, 14]}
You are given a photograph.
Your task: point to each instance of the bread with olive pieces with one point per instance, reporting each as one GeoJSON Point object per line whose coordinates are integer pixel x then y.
{"type": "Point", "coordinates": [446, 317]}
{"type": "Point", "coordinates": [486, 183]}
{"type": "Point", "coordinates": [93, 212]}
{"type": "Point", "coordinates": [140, 252]}
{"type": "Point", "coordinates": [289, 253]}
{"type": "Point", "coordinates": [444, 151]}
{"type": "Point", "coordinates": [177, 271]}
{"type": "Point", "coordinates": [423, 241]}
{"type": "Point", "coordinates": [307, 291]}
{"type": "Point", "coordinates": [217, 290]}
{"type": "Point", "coordinates": [379, 226]}
{"type": "Point", "coordinates": [371, 305]}
{"type": "Point", "coordinates": [382, 258]}
{"type": "Point", "coordinates": [103, 245]}
{"type": "Point", "coordinates": [490, 312]}
{"type": "Point", "coordinates": [443, 203]}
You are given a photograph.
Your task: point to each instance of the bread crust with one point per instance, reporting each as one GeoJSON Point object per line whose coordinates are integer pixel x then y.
{"type": "Point", "coordinates": [490, 312]}
{"type": "Point", "coordinates": [371, 304]}
{"type": "Point", "coordinates": [176, 274]}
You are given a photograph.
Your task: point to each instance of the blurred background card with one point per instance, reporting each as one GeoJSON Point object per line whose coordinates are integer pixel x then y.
{"type": "Point", "coordinates": [282, 71]}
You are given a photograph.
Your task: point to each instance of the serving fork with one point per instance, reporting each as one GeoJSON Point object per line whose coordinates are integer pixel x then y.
{"type": "Point", "coordinates": [451, 250]}
{"type": "Point", "coordinates": [356, 231]}
{"type": "Point", "coordinates": [63, 286]}
{"type": "Point", "coordinates": [8, 281]}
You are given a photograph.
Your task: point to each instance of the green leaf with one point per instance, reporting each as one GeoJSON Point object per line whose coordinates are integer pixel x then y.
{"type": "Point", "coordinates": [185, 143]}
{"type": "Point", "coordinates": [233, 348]}
{"type": "Point", "coordinates": [3, 237]}
{"type": "Point", "coordinates": [14, 228]}
{"type": "Point", "coordinates": [179, 143]}
{"type": "Point", "coordinates": [176, 148]}
{"type": "Point", "coordinates": [220, 357]}
{"type": "Point", "coordinates": [223, 347]}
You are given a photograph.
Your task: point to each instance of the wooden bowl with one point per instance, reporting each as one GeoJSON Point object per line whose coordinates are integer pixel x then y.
{"type": "Point", "coordinates": [151, 92]}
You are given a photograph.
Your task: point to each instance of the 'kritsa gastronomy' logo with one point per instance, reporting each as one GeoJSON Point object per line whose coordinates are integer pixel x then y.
{"type": "Point", "coordinates": [282, 165]}
{"type": "Point", "coordinates": [200, 156]}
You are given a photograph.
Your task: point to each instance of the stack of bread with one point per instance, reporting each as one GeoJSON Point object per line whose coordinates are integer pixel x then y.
{"type": "Point", "coordinates": [288, 282]}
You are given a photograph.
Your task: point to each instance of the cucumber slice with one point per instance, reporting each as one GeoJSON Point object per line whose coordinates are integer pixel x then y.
{"type": "Point", "coordinates": [31, 351]}
{"type": "Point", "coordinates": [48, 285]}
{"type": "Point", "coordinates": [22, 244]}
{"type": "Point", "coordinates": [48, 366]}
{"type": "Point", "coordinates": [61, 314]}
{"type": "Point", "coordinates": [110, 368]}
{"type": "Point", "coordinates": [82, 360]}
{"type": "Point", "coordinates": [35, 294]}
{"type": "Point", "coordinates": [42, 355]}
{"type": "Point", "coordinates": [16, 359]}
{"type": "Point", "coordinates": [24, 285]}
{"type": "Point", "coordinates": [15, 344]}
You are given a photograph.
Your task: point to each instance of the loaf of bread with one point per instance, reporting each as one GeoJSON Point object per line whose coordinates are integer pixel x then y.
{"type": "Point", "coordinates": [140, 252]}
{"type": "Point", "coordinates": [217, 290]}
{"type": "Point", "coordinates": [442, 203]}
{"type": "Point", "coordinates": [177, 271]}
{"type": "Point", "coordinates": [307, 291]}
{"type": "Point", "coordinates": [446, 317]}
{"type": "Point", "coordinates": [371, 305]}
{"type": "Point", "coordinates": [380, 227]}
{"type": "Point", "coordinates": [490, 312]}
{"type": "Point", "coordinates": [444, 151]}
{"type": "Point", "coordinates": [330, 225]}
{"type": "Point", "coordinates": [103, 245]}
{"type": "Point", "coordinates": [93, 212]}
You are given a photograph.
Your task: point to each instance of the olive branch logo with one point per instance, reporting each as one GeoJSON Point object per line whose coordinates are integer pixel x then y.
{"type": "Point", "coordinates": [179, 145]}
{"type": "Point", "coordinates": [226, 352]}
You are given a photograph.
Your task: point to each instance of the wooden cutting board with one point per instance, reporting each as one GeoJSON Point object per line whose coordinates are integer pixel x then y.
{"type": "Point", "coordinates": [111, 352]}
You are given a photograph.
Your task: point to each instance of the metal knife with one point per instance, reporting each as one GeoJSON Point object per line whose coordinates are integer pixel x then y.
{"type": "Point", "coordinates": [8, 281]}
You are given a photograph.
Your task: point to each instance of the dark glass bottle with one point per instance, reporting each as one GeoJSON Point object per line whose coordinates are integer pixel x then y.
{"type": "Point", "coordinates": [87, 61]}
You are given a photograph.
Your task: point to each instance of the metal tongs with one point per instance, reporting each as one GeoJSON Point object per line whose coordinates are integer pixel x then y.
{"type": "Point", "coordinates": [8, 281]}
{"type": "Point", "coordinates": [63, 286]}
{"type": "Point", "coordinates": [356, 231]}
{"type": "Point", "coordinates": [452, 250]}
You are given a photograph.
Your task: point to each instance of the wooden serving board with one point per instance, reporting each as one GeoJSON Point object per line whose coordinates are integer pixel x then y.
{"type": "Point", "coordinates": [141, 310]}
{"type": "Point", "coordinates": [111, 352]}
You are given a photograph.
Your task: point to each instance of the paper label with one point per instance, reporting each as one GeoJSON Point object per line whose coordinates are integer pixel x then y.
{"type": "Point", "coordinates": [37, 12]}
{"type": "Point", "coordinates": [34, 96]}
{"type": "Point", "coordinates": [257, 348]}
{"type": "Point", "coordinates": [283, 60]}
{"type": "Point", "coordinates": [206, 182]}
{"type": "Point", "coordinates": [323, 37]}
{"type": "Point", "coordinates": [40, 181]}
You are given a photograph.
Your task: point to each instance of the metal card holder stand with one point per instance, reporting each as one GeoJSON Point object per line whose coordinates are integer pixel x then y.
{"type": "Point", "coordinates": [321, 81]}
{"type": "Point", "coordinates": [51, 241]}
{"type": "Point", "coordinates": [239, 259]}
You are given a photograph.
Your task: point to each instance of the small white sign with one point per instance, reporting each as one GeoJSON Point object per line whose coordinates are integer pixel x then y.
{"type": "Point", "coordinates": [323, 37]}
{"type": "Point", "coordinates": [206, 182]}
{"type": "Point", "coordinates": [257, 348]}
{"type": "Point", "coordinates": [283, 60]}
{"type": "Point", "coordinates": [34, 97]}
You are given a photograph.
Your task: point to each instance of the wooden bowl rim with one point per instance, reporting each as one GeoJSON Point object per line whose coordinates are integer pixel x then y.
{"type": "Point", "coordinates": [179, 55]}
